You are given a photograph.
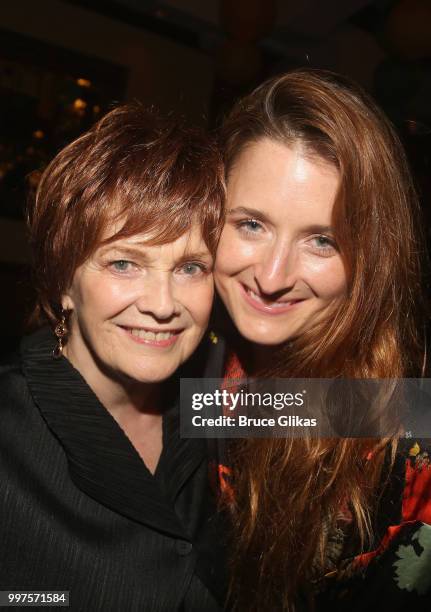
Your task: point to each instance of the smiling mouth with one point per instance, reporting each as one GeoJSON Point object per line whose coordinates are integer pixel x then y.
{"type": "Point", "coordinates": [152, 337]}
{"type": "Point", "coordinates": [266, 305]}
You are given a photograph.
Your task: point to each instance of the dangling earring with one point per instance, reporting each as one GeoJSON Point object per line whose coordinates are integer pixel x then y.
{"type": "Point", "coordinates": [60, 331]}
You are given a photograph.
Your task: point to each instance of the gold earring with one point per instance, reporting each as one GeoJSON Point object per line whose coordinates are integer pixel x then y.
{"type": "Point", "coordinates": [60, 331]}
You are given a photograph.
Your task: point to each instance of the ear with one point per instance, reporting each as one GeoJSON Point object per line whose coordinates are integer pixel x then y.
{"type": "Point", "coordinates": [67, 302]}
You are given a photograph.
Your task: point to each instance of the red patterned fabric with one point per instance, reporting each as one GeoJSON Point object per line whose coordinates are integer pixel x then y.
{"type": "Point", "coordinates": [417, 492]}
{"type": "Point", "coordinates": [396, 575]}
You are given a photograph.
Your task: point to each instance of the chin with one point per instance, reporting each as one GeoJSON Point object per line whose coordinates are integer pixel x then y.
{"type": "Point", "coordinates": [262, 337]}
{"type": "Point", "coordinates": [265, 341]}
{"type": "Point", "coordinates": [156, 377]}
{"type": "Point", "coordinates": [147, 375]}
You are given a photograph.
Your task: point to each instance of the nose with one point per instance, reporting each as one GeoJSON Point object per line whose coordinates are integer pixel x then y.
{"type": "Point", "coordinates": [275, 272]}
{"type": "Point", "coordinates": [157, 298]}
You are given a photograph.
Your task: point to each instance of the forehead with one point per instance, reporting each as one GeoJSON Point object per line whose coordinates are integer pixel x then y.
{"type": "Point", "coordinates": [280, 179]}
{"type": "Point", "coordinates": [189, 242]}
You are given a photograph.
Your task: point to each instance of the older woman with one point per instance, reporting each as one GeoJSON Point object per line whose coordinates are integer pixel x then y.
{"type": "Point", "coordinates": [99, 496]}
{"type": "Point", "coordinates": [319, 269]}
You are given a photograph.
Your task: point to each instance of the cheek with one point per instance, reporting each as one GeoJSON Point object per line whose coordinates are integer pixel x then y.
{"type": "Point", "coordinates": [102, 299]}
{"type": "Point", "coordinates": [233, 253]}
{"type": "Point", "coordinates": [198, 301]}
{"type": "Point", "coordinates": [327, 278]}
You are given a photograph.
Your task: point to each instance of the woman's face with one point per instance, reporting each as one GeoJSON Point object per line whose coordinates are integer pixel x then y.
{"type": "Point", "coordinates": [277, 266]}
{"type": "Point", "coordinates": [139, 311]}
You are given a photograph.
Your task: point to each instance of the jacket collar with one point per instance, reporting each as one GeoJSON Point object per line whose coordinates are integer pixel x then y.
{"type": "Point", "coordinates": [102, 461]}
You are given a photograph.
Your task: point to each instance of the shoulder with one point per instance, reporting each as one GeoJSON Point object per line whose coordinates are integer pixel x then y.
{"type": "Point", "coordinates": [410, 448]}
{"type": "Point", "coordinates": [17, 408]}
{"type": "Point", "coordinates": [14, 388]}
{"type": "Point", "coordinates": [416, 502]}
{"type": "Point", "coordinates": [11, 376]}
{"type": "Point", "coordinates": [415, 454]}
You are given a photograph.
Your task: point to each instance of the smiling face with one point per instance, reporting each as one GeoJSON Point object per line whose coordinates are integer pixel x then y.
{"type": "Point", "coordinates": [139, 311]}
{"type": "Point", "coordinates": [277, 267]}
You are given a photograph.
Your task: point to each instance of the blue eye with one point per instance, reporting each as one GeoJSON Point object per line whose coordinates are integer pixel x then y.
{"type": "Point", "coordinates": [323, 242]}
{"type": "Point", "coordinates": [323, 245]}
{"type": "Point", "coordinates": [250, 226]}
{"type": "Point", "coordinates": [192, 268]}
{"type": "Point", "coordinates": [121, 265]}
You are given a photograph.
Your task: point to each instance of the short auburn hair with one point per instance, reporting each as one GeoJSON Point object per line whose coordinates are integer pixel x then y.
{"type": "Point", "coordinates": [134, 169]}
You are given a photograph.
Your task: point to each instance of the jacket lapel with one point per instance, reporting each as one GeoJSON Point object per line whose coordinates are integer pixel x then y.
{"type": "Point", "coordinates": [102, 461]}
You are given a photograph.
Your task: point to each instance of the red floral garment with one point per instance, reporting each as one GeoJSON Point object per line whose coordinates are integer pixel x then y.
{"type": "Point", "coordinates": [416, 498]}
{"type": "Point", "coordinates": [396, 574]}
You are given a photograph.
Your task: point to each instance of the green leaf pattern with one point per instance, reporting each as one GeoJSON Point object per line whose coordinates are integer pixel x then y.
{"type": "Point", "coordinates": [413, 571]}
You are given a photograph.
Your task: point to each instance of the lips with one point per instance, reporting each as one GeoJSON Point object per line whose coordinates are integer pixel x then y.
{"type": "Point", "coordinates": [152, 337]}
{"type": "Point", "coordinates": [264, 305]}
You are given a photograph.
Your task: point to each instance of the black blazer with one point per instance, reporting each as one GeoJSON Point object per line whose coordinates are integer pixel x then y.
{"type": "Point", "coordinates": [81, 512]}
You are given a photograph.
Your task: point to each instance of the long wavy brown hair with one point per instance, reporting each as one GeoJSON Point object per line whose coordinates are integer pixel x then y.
{"type": "Point", "coordinates": [289, 493]}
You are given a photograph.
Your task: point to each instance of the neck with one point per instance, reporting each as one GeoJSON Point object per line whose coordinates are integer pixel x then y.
{"type": "Point", "coordinates": [118, 396]}
{"type": "Point", "coordinates": [135, 406]}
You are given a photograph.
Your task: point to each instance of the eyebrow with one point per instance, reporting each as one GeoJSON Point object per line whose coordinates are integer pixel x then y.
{"type": "Point", "coordinates": [124, 250]}
{"type": "Point", "coordinates": [193, 255]}
{"type": "Point", "coordinates": [250, 212]}
{"type": "Point", "coordinates": [318, 229]}
{"type": "Point", "coordinates": [136, 252]}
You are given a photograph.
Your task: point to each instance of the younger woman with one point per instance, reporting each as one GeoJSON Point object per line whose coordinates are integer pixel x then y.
{"type": "Point", "coordinates": [319, 269]}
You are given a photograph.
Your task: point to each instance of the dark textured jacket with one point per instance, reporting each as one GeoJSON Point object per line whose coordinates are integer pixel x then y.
{"type": "Point", "coordinates": [80, 511]}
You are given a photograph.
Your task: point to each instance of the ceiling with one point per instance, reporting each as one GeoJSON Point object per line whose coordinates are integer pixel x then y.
{"type": "Point", "coordinates": [311, 17]}
{"type": "Point", "coordinates": [196, 22]}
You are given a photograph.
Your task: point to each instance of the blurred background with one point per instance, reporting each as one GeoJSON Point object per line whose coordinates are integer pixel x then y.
{"type": "Point", "coordinates": [65, 63]}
